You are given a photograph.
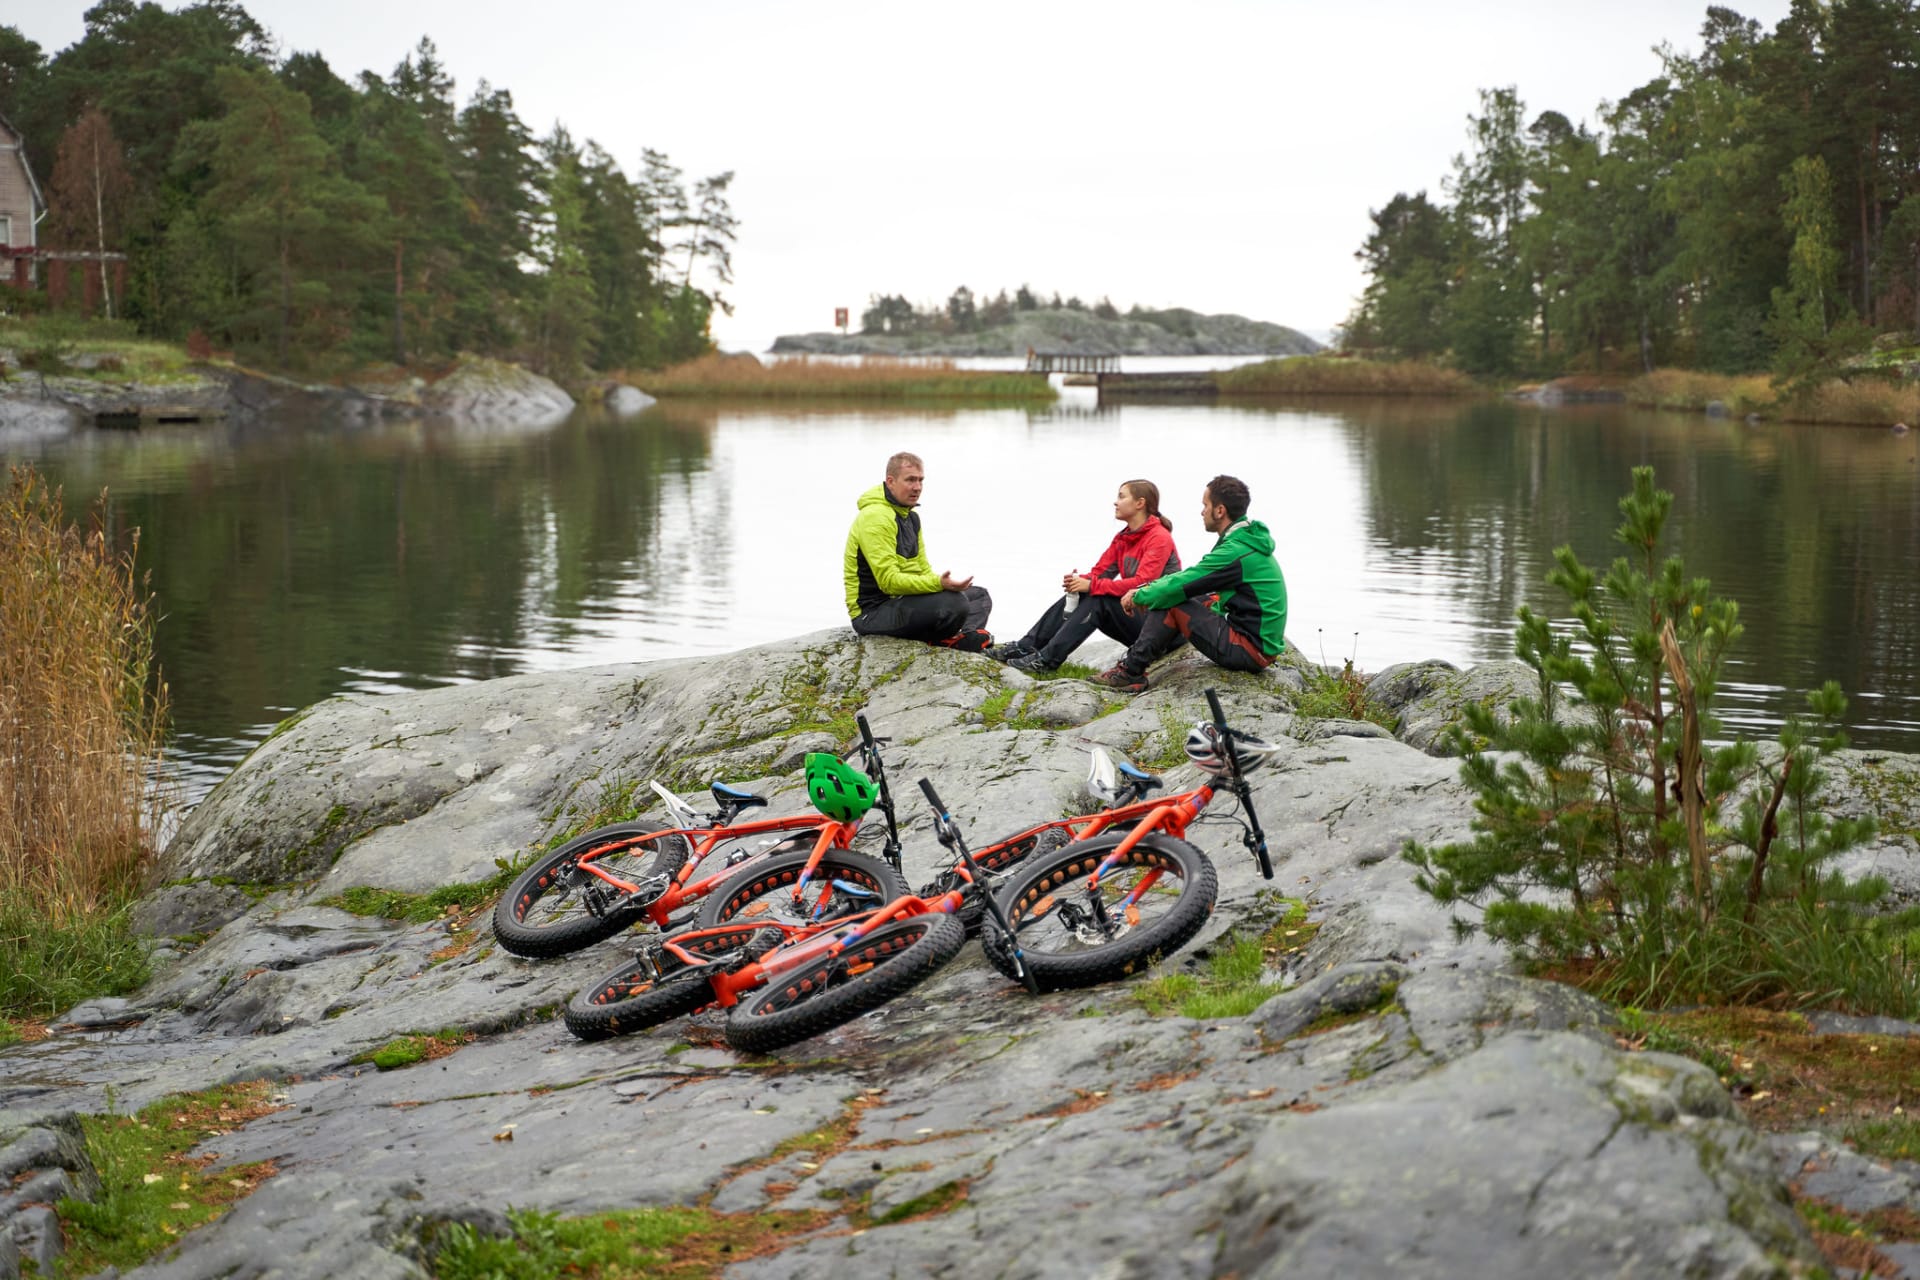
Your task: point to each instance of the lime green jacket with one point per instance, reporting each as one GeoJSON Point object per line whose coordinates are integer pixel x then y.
{"type": "Point", "coordinates": [886, 554]}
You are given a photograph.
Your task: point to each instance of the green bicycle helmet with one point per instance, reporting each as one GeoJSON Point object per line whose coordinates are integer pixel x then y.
{"type": "Point", "coordinates": [836, 788]}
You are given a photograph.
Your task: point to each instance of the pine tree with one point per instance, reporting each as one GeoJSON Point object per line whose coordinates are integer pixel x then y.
{"type": "Point", "coordinates": [1617, 827]}
{"type": "Point", "coordinates": [565, 305]}
{"type": "Point", "coordinates": [299, 232]}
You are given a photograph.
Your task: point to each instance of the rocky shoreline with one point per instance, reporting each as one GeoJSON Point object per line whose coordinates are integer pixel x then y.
{"type": "Point", "coordinates": [1407, 1105]}
{"type": "Point", "coordinates": [475, 389]}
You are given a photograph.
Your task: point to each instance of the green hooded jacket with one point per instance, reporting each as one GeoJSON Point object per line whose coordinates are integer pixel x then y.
{"type": "Point", "coordinates": [886, 554]}
{"type": "Point", "coordinates": [1241, 567]}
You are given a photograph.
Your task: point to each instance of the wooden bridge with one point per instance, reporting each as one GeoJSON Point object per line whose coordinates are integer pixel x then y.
{"type": "Point", "coordinates": [1104, 373]}
{"type": "Point", "coordinates": [1070, 362]}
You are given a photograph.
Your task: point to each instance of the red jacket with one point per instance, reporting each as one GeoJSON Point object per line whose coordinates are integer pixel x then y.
{"type": "Point", "coordinates": [1134, 557]}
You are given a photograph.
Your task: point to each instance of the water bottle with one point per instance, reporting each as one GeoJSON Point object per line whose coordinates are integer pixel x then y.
{"type": "Point", "coordinates": [1073, 598]}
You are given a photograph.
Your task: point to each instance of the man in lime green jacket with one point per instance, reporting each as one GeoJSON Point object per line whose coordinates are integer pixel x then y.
{"type": "Point", "coordinates": [892, 589]}
{"type": "Point", "coordinates": [1231, 605]}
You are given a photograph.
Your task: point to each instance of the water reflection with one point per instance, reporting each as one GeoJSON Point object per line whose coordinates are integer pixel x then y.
{"type": "Point", "coordinates": [300, 560]}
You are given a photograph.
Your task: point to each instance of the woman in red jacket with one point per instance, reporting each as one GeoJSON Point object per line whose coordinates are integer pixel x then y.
{"type": "Point", "coordinates": [1138, 554]}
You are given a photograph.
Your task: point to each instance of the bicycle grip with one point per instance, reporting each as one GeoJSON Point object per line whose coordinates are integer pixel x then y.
{"type": "Point", "coordinates": [1219, 716]}
{"type": "Point", "coordinates": [866, 730]}
{"type": "Point", "coordinates": [933, 797]}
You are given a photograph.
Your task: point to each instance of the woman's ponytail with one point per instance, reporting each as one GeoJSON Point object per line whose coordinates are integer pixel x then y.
{"type": "Point", "coordinates": [1148, 492]}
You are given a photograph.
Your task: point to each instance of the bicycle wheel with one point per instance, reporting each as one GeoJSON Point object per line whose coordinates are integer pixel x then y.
{"type": "Point", "coordinates": [1071, 936]}
{"type": "Point", "coordinates": [554, 907]}
{"type": "Point", "coordinates": [998, 859]}
{"type": "Point", "coordinates": [830, 990]}
{"type": "Point", "coordinates": [844, 883]}
{"type": "Point", "coordinates": [631, 997]}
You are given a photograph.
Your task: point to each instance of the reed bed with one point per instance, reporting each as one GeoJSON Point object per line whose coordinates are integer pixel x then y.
{"type": "Point", "coordinates": [871, 378]}
{"type": "Point", "coordinates": [1691, 391]}
{"type": "Point", "coordinates": [1877, 402]}
{"type": "Point", "coordinates": [1321, 375]}
{"type": "Point", "coordinates": [82, 725]}
{"type": "Point", "coordinates": [1874, 401]}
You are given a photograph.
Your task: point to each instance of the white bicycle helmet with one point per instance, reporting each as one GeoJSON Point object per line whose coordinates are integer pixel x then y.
{"type": "Point", "coordinates": [1204, 749]}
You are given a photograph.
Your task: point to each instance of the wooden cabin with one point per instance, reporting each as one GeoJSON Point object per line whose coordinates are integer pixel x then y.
{"type": "Point", "coordinates": [21, 206]}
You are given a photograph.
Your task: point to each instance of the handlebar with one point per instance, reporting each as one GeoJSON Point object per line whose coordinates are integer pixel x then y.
{"type": "Point", "coordinates": [870, 753]}
{"type": "Point", "coordinates": [949, 832]}
{"type": "Point", "coordinates": [1256, 839]}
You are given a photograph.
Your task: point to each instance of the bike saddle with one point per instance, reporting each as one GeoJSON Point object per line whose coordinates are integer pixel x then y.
{"type": "Point", "coordinates": [1144, 780]}
{"type": "Point", "coordinates": [724, 794]}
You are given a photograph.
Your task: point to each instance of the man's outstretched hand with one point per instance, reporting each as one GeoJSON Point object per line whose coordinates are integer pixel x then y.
{"type": "Point", "coordinates": [950, 583]}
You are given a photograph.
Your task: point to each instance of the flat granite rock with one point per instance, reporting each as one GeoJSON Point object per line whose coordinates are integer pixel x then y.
{"type": "Point", "coordinates": [1405, 1104]}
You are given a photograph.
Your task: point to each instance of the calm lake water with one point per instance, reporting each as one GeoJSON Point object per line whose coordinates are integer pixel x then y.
{"type": "Point", "coordinates": [298, 560]}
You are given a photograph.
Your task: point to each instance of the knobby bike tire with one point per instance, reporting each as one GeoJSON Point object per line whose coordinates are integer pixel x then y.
{"type": "Point", "coordinates": [565, 924]}
{"type": "Point", "coordinates": [830, 991]}
{"type": "Point", "coordinates": [1059, 957]}
{"type": "Point", "coordinates": [763, 891]}
{"type": "Point", "coordinates": [1000, 861]}
{"type": "Point", "coordinates": [628, 998]}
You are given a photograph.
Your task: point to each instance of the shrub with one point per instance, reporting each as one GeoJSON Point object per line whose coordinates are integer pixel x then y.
{"type": "Point", "coordinates": [1622, 838]}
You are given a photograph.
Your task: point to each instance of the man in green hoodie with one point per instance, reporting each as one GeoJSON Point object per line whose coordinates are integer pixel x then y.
{"type": "Point", "coordinates": [1245, 628]}
{"type": "Point", "coordinates": [892, 589]}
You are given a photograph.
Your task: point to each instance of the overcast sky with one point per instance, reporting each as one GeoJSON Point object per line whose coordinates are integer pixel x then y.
{"type": "Point", "coordinates": [1222, 159]}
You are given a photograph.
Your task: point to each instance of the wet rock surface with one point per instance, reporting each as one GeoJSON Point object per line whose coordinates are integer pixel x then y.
{"type": "Point", "coordinates": [1401, 1078]}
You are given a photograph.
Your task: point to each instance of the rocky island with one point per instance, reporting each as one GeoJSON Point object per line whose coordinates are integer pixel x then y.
{"type": "Point", "coordinates": [1405, 1103]}
{"type": "Point", "coordinates": [1175, 332]}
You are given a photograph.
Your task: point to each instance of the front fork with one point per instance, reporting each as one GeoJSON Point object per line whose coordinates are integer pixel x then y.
{"type": "Point", "coordinates": [1174, 818]}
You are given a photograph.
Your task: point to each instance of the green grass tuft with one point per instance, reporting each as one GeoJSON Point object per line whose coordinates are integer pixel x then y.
{"type": "Point", "coordinates": [46, 970]}
{"type": "Point", "coordinates": [151, 1190]}
{"type": "Point", "coordinates": [408, 1050]}
{"type": "Point", "coordinates": [671, 1243]}
{"type": "Point", "coordinates": [1232, 987]}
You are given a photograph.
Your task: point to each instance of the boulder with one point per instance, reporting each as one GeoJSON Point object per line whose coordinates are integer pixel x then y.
{"type": "Point", "coordinates": [623, 401]}
{"type": "Point", "coordinates": [1429, 697]}
{"type": "Point", "coordinates": [26, 414]}
{"type": "Point", "coordinates": [493, 391]}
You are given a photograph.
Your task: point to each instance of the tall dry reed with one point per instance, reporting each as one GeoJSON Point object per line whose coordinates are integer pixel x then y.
{"type": "Point", "coordinates": [1320, 375]}
{"type": "Point", "coordinates": [875, 378]}
{"type": "Point", "coordinates": [82, 717]}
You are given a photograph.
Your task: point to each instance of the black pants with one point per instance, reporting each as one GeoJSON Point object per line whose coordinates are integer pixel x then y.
{"type": "Point", "coordinates": [938, 616]}
{"type": "Point", "coordinates": [1059, 633]}
{"type": "Point", "coordinates": [1167, 629]}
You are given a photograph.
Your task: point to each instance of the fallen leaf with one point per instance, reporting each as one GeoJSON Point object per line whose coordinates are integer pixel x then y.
{"type": "Point", "coordinates": [179, 1204]}
{"type": "Point", "coordinates": [152, 1178]}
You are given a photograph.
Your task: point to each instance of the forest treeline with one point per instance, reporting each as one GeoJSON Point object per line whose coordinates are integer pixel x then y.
{"type": "Point", "coordinates": [1755, 206]}
{"type": "Point", "coordinates": [268, 205]}
{"type": "Point", "coordinates": [964, 312]}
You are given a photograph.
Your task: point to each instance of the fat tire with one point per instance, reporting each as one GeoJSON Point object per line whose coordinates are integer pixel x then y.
{"type": "Point", "coordinates": [973, 908]}
{"type": "Point", "coordinates": [779, 873]}
{"type": "Point", "coordinates": [805, 1002]}
{"type": "Point", "coordinates": [1132, 952]}
{"type": "Point", "coordinates": [544, 941]}
{"type": "Point", "coordinates": [628, 998]}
